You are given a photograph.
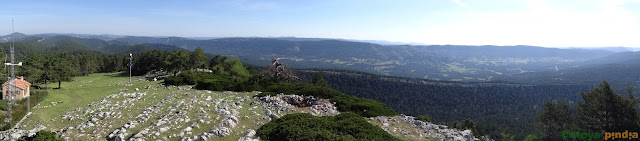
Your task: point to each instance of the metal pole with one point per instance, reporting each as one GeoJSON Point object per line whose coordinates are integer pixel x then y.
{"type": "Point", "coordinates": [130, 64]}
{"type": "Point", "coordinates": [11, 83]}
{"type": "Point", "coordinates": [29, 103]}
{"type": "Point", "coordinates": [129, 73]}
{"type": "Point", "coordinates": [10, 92]}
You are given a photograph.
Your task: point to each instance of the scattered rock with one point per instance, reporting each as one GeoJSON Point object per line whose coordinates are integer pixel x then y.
{"type": "Point", "coordinates": [250, 133]}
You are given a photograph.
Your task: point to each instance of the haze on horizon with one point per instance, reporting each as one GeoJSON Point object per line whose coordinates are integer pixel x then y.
{"type": "Point", "coordinates": [570, 23]}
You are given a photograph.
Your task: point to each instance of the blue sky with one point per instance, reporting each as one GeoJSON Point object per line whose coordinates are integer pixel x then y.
{"type": "Point", "coordinates": [560, 23]}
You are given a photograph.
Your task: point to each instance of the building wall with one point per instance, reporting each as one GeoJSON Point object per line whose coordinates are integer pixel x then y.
{"type": "Point", "coordinates": [19, 95]}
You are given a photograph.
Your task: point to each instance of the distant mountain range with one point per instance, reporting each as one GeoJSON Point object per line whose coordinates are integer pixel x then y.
{"type": "Point", "coordinates": [614, 49]}
{"type": "Point", "coordinates": [526, 64]}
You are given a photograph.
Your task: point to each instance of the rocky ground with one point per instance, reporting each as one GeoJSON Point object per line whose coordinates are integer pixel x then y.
{"type": "Point", "coordinates": [182, 114]}
{"type": "Point", "coordinates": [408, 128]}
{"type": "Point", "coordinates": [150, 111]}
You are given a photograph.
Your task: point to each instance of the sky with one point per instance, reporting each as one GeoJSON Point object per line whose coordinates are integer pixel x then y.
{"type": "Point", "coordinates": [557, 23]}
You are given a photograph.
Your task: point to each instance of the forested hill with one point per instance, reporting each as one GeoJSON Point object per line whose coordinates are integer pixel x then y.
{"type": "Point", "coordinates": [435, 62]}
{"type": "Point", "coordinates": [618, 69]}
{"type": "Point", "coordinates": [521, 64]}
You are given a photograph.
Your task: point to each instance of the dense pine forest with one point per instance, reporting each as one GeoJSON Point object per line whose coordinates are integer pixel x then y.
{"type": "Point", "coordinates": [498, 108]}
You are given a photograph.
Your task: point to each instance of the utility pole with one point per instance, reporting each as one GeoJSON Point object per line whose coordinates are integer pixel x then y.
{"type": "Point", "coordinates": [10, 92]}
{"type": "Point", "coordinates": [130, 65]}
{"type": "Point", "coordinates": [28, 103]}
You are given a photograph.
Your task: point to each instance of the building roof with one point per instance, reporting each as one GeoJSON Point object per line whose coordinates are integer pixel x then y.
{"type": "Point", "coordinates": [20, 83]}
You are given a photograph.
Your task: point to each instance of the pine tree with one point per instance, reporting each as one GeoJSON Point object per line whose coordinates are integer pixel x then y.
{"type": "Point", "coordinates": [553, 119]}
{"type": "Point", "coordinates": [319, 80]}
{"type": "Point", "coordinates": [605, 111]}
{"type": "Point", "coordinates": [57, 69]}
{"type": "Point", "coordinates": [197, 59]}
{"type": "Point", "coordinates": [217, 65]}
{"type": "Point", "coordinates": [33, 68]}
{"type": "Point", "coordinates": [179, 60]}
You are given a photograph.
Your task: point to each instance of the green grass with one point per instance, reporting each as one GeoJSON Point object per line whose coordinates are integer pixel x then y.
{"type": "Point", "coordinates": [80, 92]}
{"type": "Point", "coordinates": [85, 90]}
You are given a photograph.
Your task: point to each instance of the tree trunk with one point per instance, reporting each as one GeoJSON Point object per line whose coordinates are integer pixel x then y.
{"type": "Point", "coordinates": [59, 83]}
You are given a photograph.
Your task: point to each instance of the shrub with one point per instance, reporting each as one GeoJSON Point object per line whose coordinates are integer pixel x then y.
{"type": "Point", "coordinates": [304, 126]}
{"type": "Point", "coordinates": [210, 84]}
{"type": "Point", "coordinates": [174, 80]}
{"type": "Point", "coordinates": [3, 105]}
{"type": "Point", "coordinates": [362, 106]}
{"type": "Point", "coordinates": [424, 118]}
{"type": "Point", "coordinates": [44, 135]}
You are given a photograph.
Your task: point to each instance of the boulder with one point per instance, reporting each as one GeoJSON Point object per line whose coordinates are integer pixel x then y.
{"type": "Point", "coordinates": [250, 133]}
{"type": "Point", "coordinates": [163, 129]}
{"type": "Point", "coordinates": [16, 135]}
{"type": "Point", "coordinates": [221, 132]}
{"type": "Point", "coordinates": [188, 129]}
{"type": "Point", "coordinates": [467, 135]}
{"type": "Point", "coordinates": [119, 137]}
{"type": "Point", "coordinates": [267, 111]}
{"type": "Point", "coordinates": [230, 121]}
{"type": "Point", "coordinates": [274, 116]}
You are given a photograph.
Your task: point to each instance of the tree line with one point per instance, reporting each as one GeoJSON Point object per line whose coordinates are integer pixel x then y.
{"type": "Point", "coordinates": [58, 67]}
{"type": "Point", "coordinates": [62, 66]}
{"type": "Point", "coordinates": [172, 61]}
{"type": "Point", "coordinates": [602, 110]}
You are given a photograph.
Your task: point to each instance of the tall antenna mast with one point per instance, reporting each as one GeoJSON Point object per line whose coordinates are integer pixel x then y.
{"type": "Point", "coordinates": [10, 92]}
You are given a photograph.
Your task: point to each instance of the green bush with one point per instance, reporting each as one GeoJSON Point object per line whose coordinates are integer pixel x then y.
{"type": "Point", "coordinates": [174, 80]}
{"type": "Point", "coordinates": [214, 81]}
{"type": "Point", "coordinates": [44, 135]}
{"type": "Point", "coordinates": [189, 78]}
{"type": "Point", "coordinates": [424, 118]}
{"type": "Point", "coordinates": [3, 105]}
{"type": "Point", "coordinates": [210, 84]}
{"type": "Point", "coordinates": [287, 88]}
{"type": "Point", "coordinates": [304, 126]}
{"type": "Point", "coordinates": [362, 106]}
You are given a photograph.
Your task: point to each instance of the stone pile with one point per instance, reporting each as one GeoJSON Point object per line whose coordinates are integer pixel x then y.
{"type": "Point", "coordinates": [325, 109]}
{"type": "Point", "coordinates": [288, 103]}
